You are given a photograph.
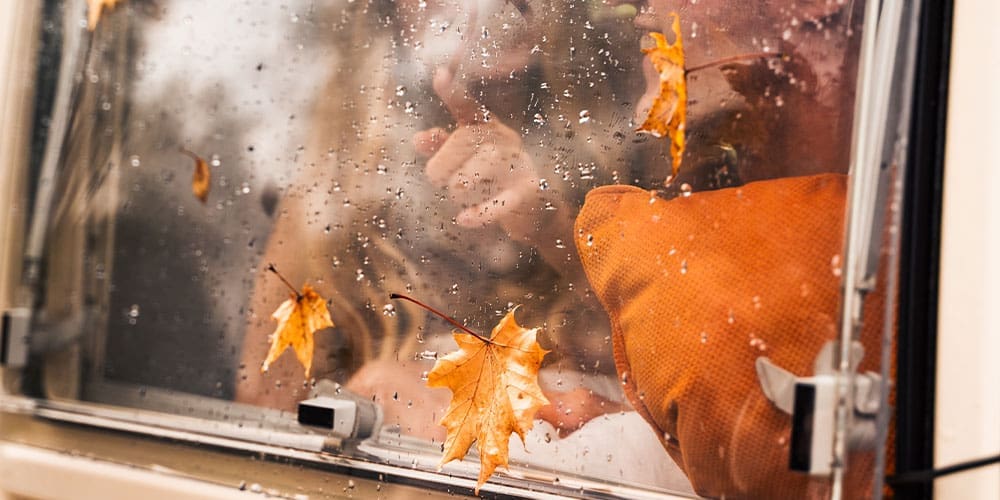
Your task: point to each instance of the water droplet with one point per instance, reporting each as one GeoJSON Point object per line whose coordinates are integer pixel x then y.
{"type": "Point", "coordinates": [685, 190]}
{"type": "Point", "coordinates": [382, 169]}
{"type": "Point", "coordinates": [590, 240]}
{"type": "Point", "coordinates": [245, 188]}
{"type": "Point", "coordinates": [454, 289]}
{"type": "Point", "coordinates": [584, 116]}
{"type": "Point", "coordinates": [704, 337]}
{"type": "Point", "coordinates": [835, 265]}
{"type": "Point", "coordinates": [425, 355]}
{"type": "Point", "coordinates": [400, 90]}
{"type": "Point", "coordinates": [559, 244]}
{"type": "Point", "coordinates": [133, 314]}
{"type": "Point", "coordinates": [684, 266]}
{"type": "Point", "coordinates": [539, 119]}
{"type": "Point", "coordinates": [389, 310]}
{"type": "Point", "coordinates": [543, 184]}
{"type": "Point", "coordinates": [359, 275]}
{"type": "Point", "coordinates": [424, 376]}
{"type": "Point", "coordinates": [134, 160]}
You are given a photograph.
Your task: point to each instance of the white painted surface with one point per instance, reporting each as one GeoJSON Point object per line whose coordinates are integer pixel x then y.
{"type": "Point", "coordinates": [29, 472]}
{"type": "Point", "coordinates": [968, 386]}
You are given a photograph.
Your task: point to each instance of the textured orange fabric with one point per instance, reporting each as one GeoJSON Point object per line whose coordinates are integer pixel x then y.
{"type": "Point", "coordinates": [697, 288]}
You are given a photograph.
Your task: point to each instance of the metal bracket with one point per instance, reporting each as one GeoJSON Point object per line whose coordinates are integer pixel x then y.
{"type": "Point", "coordinates": [811, 402]}
{"type": "Point", "coordinates": [14, 333]}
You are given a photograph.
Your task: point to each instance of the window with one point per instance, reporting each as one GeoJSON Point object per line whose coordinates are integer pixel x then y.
{"type": "Point", "coordinates": [480, 157]}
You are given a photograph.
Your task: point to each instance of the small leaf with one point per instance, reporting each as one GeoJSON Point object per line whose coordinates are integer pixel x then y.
{"type": "Point", "coordinates": [298, 319]}
{"type": "Point", "coordinates": [201, 180]}
{"type": "Point", "coordinates": [668, 114]}
{"type": "Point", "coordinates": [94, 8]}
{"type": "Point", "coordinates": [495, 392]}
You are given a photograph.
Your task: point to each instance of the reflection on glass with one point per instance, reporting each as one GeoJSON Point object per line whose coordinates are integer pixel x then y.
{"type": "Point", "coordinates": [443, 149]}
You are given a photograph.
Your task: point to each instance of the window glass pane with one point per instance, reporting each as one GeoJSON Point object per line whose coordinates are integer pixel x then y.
{"type": "Point", "coordinates": [459, 153]}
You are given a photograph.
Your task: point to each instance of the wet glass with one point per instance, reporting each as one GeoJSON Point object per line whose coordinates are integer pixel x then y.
{"type": "Point", "coordinates": [444, 150]}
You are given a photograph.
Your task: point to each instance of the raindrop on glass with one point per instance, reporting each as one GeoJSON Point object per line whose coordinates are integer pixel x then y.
{"type": "Point", "coordinates": [133, 313]}
{"type": "Point", "coordinates": [389, 310]}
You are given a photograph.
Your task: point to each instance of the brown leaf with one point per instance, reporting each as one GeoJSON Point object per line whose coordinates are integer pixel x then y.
{"type": "Point", "coordinates": [495, 392]}
{"type": "Point", "coordinates": [298, 319]}
{"type": "Point", "coordinates": [94, 8]}
{"type": "Point", "coordinates": [201, 180]}
{"type": "Point", "coordinates": [668, 114]}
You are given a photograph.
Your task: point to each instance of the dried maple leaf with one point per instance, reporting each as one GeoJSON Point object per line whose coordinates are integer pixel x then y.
{"type": "Point", "coordinates": [667, 116]}
{"type": "Point", "coordinates": [201, 180]}
{"type": "Point", "coordinates": [298, 319]}
{"type": "Point", "coordinates": [94, 8]}
{"type": "Point", "coordinates": [495, 392]}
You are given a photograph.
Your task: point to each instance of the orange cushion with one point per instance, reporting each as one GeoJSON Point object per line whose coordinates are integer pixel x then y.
{"type": "Point", "coordinates": [696, 289]}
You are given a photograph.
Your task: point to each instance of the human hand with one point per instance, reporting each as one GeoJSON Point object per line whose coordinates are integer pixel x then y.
{"type": "Point", "coordinates": [482, 163]}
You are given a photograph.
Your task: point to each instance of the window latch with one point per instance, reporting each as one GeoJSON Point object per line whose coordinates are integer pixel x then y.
{"type": "Point", "coordinates": [341, 412]}
{"type": "Point", "coordinates": [14, 333]}
{"type": "Point", "coordinates": [812, 403]}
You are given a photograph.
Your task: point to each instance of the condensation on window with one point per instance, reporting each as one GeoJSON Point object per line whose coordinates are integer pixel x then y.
{"type": "Point", "coordinates": [459, 153]}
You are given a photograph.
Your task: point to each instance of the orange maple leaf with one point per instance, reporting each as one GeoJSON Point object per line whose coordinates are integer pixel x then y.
{"type": "Point", "coordinates": [298, 319]}
{"type": "Point", "coordinates": [201, 180]}
{"type": "Point", "coordinates": [94, 8]}
{"type": "Point", "coordinates": [495, 392]}
{"type": "Point", "coordinates": [667, 116]}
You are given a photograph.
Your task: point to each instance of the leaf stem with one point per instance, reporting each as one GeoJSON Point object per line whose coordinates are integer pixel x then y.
{"type": "Point", "coordinates": [738, 57]}
{"type": "Point", "coordinates": [187, 152]}
{"type": "Point", "coordinates": [270, 267]}
{"type": "Point", "coordinates": [442, 315]}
